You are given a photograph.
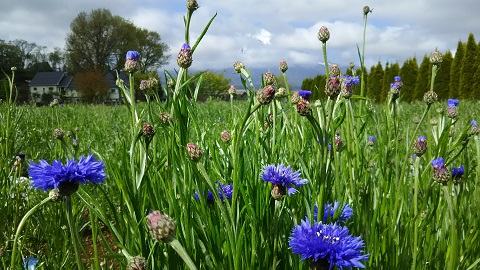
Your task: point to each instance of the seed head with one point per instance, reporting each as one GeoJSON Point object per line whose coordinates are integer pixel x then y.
{"type": "Point", "coordinates": [136, 263]}
{"type": "Point", "coordinates": [58, 133]}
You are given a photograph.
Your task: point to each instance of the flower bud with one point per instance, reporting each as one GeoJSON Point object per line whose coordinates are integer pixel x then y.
{"type": "Point", "coordinates": [238, 66]}
{"type": "Point", "coordinates": [433, 121]}
{"type": "Point", "coordinates": [371, 141]}
{"type": "Point", "coordinates": [132, 63]}
{"type": "Point", "coordinates": [232, 90]}
{"type": "Point", "coordinates": [278, 191]}
{"type": "Point", "coordinates": [334, 70]}
{"type": "Point", "coordinates": [474, 130]}
{"type": "Point", "coordinates": [366, 10]}
{"type": "Point", "coordinates": [58, 133]}
{"type": "Point", "coordinates": [266, 95]}
{"type": "Point", "coordinates": [148, 131]}
{"type": "Point", "coordinates": [440, 171]}
{"type": "Point", "coordinates": [436, 57]}
{"type": "Point", "coordinates": [457, 174]}
{"type": "Point", "coordinates": [323, 34]}
{"type": "Point", "coordinates": [420, 146]}
{"type": "Point", "coordinates": [149, 86]}
{"type": "Point", "coordinates": [338, 143]}
{"type": "Point", "coordinates": [136, 263]}
{"type": "Point", "coordinates": [452, 112]}
{"type": "Point", "coordinates": [430, 97]}
{"type": "Point", "coordinates": [194, 151]}
{"type": "Point", "coordinates": [165, 118]}
{"type": "Point", "coordinates": [162, 227]}
{"type": "Point", "coordinates": [184, 57]}
{"type": "Point", "coordinates": [226, 137]}
{"type": "Point", "coordinates": [269, 79]}
{"type": "Point", "coordinates": [281, 92]}
{"type": "Point", "coordinates": [295, 98]}
{"type": "Point", "coordinates": [333, 87]}
{"type": "Point", "coordinates": [303, 107]}
{"type": "Point", "coordinates": [192, 5]}
{"type": "Point", "coordinates": [283, 66]}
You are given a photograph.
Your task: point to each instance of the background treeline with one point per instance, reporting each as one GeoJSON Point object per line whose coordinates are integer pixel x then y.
{"type": "Point", "coordinates": [458, 76]}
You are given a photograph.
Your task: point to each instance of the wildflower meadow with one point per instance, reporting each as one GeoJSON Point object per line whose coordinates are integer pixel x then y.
{"type": "Point", "coordinates": [277, 181]}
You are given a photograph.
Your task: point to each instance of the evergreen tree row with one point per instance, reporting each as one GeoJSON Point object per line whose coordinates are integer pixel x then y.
{"type": "Point", "coordinates": [458, 76]}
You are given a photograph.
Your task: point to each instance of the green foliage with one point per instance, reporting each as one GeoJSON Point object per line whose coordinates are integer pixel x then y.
{"type": "Point", "coordinates": [455, 72]}
{"type": "Point", "coordinates": [408, 73]}
{"type": "Point", "coordinates": [92, 86]}
{"type": "Point", "coordinates": [469, 66]}
{"type": "Point", "coordinates": [442, 80]}
{"type": "Point", "coordinates": [375, 89]}
{"type": "Point", "coordinates": [423, 79]}
{"type": "Point", "coordinates": [213, 86]}
{"type": "Point", "coordinates": [475, 89]}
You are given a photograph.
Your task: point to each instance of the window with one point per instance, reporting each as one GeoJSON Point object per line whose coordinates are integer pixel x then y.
{"type": "Point", "coordinates": [113, 90]}
{"type": "Point", "coordinates": [34, 88]}
{"type": "Point", "coordinates": [50, 88]}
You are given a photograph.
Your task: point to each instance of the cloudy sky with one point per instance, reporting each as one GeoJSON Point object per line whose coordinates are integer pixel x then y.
{"type": "Point", "coordinates": [261, 33]}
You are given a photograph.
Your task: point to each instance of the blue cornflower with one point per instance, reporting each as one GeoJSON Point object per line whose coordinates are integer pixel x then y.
{"type": "Point", "coordinates": [133, 55]}
{"type": "Point", "coordinates": [185, 47]}
{"type": "Point", "coordinates": [474, 123]}
{"type": "Point", "coordinates": [29, 263]}
{"type": "Point", "coordinates": [437, 163]}
{"type": "Point", "coordinates": [441, 174]}
{"type": "Point", "coordinates": [457, 174]}
{"type": "Point", "coordinates": [452, 102]}
{"type": "Point", "coordinates": [327, 243]}
{"type": "Point", "coordinates": [397, 78]}
{"type": "Point", "coordinates": [87, 169]}
{"type": "Point", "coordinates": [283, 179]}
{"type": "Point", "coordinates": [350, 80]}
{"type": "Point", "coordinates": [305, 94]}
{"type": "Point", "coordinates": [224, 192]}
{"type": "Point", "coordinates": [330, 209]}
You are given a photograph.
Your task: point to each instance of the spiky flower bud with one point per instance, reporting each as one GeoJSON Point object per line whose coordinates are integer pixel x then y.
{"type": "Point", "coordinates": [295, 98]}
{"type": "Point", "coordinates": [192, 5]}
{"type": "Point", "coordinates": [283, 66]}
{"type": "Point", "coordinates": [149, 86]}
{"type": "Point", "coordinates": [75, 143]}
{"type": "Point", "coordinates": [457, 174]}
{"type": "Point", "coordinates": [148, 131]}
{"type": "Point", "coordinates": [13, 68]}
{"type": "Point", "coordinates": [270, 118]}
{"type": "Point", "coordinates": [436, 57]}
{"type": "Point", "coordinates": [452, 131]}
{"type": "Point", "coordinates": [266, 95]}
{"type": "Point", "coordinates": [452, 112]}
{"type": "Point", "coordinates": [333, 87]}
{"type": "Point", "coordinates": [136, 263]}
{"type": "Point", "coordinates": [278, 191]}
{"type": "Point", "coordinates": [394, 91]}
{"type": "Point", "coordinates": [351, 65]}
{"type": "Point", "coordinates": [416, 120]}
{"type": "Point", "coordinates": [165, 118]}
{"type": "Point", "coordinates": [170, 83]}
{"type": "Point", "coordinates": [334, 70]}
{"type": "Point", "coordinates": [58, 133]}
{"type": "Point", "coordinates": [184, 57]}
{"type": "Point", "coordinates": [430, 97]}
{"type": "Point", "coordinates": [232, 90]}
{"type": "Point", "coordinates": [269, 79]}
{"type": "Point", "coordinates": [237, 66]}
{"type": "Point", "coordinates": [194, 151]}
{"type": "Point", "coordinates": [226, 137]}
{"type": "Point", "coordinates": [433, 121]}
{"type": "Point", "coordinates": [441, 174]}
{"type": "Point", "coordinates": [55, 195]}
{"type": "Point", "coordinates": [323, 34]}
{"type": "Point", "coordinates": [474, 130]}
{"type": "Point", "coordinates": [303, 107]}
{"type": "Point", "coordinates": [371, 141]}
{"type": "Point", "coordinates": [420, 146]}
{"type": "Point", "coordinates": [162, 227]}
{"type": "Point", "coordinates": [132, 63]}
{"type": "Point", "coordinates": [338, 143]}
{"type": "Point", "coordinates": [281, 92]}
{"type": "Point", "coordinates": [366, 10]}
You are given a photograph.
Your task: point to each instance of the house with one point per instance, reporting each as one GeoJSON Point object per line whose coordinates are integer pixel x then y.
{"type": "Point", "coordinates": [45, 86]}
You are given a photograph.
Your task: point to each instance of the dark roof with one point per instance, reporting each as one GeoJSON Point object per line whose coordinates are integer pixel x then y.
{"type": "Point", "coordinates": [111, 78]}
{"type": "Point", "coordinates": [67, 82]}
{"type": "Point", "coordinates": [47, 78]}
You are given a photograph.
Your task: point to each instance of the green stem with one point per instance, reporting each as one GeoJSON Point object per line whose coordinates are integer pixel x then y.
{"type": "Point", "coordinates": [73, 232]}
{"type": "Point", "coordinates": [324, 49]}
{"type": "Point", "coordinates": [415, 212]}
{"type": "Point", "coordinates": [20, 227]}
{"type": "Point", "coordinates": [177, 246]}
{"type": "Point", "coordinates": [452, 255]}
